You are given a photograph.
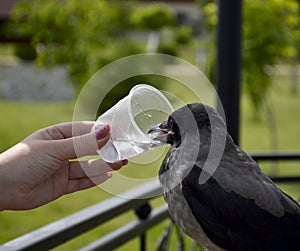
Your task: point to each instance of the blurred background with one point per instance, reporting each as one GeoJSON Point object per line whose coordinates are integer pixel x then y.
{"type": "Point", "coordinates": [50, 48]}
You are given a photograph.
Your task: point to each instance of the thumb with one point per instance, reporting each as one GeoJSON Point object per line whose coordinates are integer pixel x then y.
{"type": "Point", "coordinates": [82, 145]}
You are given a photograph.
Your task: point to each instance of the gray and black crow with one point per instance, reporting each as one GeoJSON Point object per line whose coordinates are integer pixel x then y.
{"type": "Point", "coordinates": [225, 201]}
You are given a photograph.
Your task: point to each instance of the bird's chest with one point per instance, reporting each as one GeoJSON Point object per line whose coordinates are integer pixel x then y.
{"type": "Point", "coordinates": [180, 211]}
{"type": "Point", "coordinates": [176, 166]}
{"type": "Point", "coordinates": [184, 218]}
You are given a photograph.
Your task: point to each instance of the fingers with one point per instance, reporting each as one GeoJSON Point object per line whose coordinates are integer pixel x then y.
{"type": "Point", "coordinates": [63, 130]}
{"type": "Point", "coordinates": [81, 127]}
{"type": "Point", "coordinates": [86, 174]}
{"type": "Point", "coordinates": [92, 168]}
{"type": "Point", "coordinates": [85, 183]}
{"type": "Point", "coordinates": [82, 145]}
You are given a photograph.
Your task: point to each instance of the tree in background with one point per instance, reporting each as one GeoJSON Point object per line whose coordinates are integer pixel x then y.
{"type": "Point", "coordinates": [268, 39]}
{"type": "Point", "coordinates": [160, 21]}
{"type": "Point", "coordinates": [153, 17]}
{"type": "Point", "coordinates": [84, 36]}
{"type": "Point", "coordinates": [270, 29]}
{"type": "Point", "coordinates": [88, 36]}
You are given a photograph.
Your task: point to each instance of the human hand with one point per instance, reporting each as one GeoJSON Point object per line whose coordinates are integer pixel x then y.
{"type": "Point", "coordinates": [38, 169]}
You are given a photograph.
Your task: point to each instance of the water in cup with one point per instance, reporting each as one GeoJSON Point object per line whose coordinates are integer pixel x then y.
{"type": "Point", "coordinates": [130, 119]}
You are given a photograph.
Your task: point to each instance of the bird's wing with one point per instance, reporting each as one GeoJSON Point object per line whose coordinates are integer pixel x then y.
{"type": "Point", "coordinates": [216, 211]}
{"type": "Point", "coordinates": [240, 174]}
{"type": "Point", "coordinates": [238, 208]}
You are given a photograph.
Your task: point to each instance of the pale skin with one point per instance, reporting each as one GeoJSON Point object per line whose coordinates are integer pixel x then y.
{"type": "Point", "coordinates": [44, 166]}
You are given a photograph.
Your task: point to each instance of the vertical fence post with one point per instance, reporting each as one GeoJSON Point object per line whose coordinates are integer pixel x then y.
{"type": "Point", "coordinates": [228, 65]}
{"type": "Point", "coordinates": [143, 212]}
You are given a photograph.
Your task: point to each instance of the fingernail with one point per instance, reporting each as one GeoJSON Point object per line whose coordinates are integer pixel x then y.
{"type": "Point", "coordinates": [124, 162]}
{"type": "Point", "coordinates": [102, 132]}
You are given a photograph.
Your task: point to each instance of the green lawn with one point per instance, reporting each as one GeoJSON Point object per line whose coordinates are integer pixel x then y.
{"type": "Point", "coordinates": [18, 119]}
{"type": "Point", "coordinates": [21, 118]}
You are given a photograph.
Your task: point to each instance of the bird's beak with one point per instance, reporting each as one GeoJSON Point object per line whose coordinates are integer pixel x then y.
{"type": "Point", "coordinates": [160, 133]}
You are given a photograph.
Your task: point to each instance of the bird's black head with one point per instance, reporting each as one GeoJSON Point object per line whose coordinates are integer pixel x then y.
{"type": "Point", "coordinates": [188, 122]}
{"type": "Point", "coordinates": [166, 132]}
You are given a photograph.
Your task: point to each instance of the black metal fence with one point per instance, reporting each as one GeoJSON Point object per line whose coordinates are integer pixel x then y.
{"type": "Point", "coordinates": [59, 232]}
{"type": "Point", "coordinates": [275, 157]}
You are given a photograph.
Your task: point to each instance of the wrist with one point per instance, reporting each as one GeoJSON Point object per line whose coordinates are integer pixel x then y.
{"type": "Point", "coordinates": [2, 186]}
{"type": "Point", "coordinates": [6, 175]}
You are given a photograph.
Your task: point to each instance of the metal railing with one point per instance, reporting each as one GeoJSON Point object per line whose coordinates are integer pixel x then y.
{"type": "Point", "coordinates": [275, 157]}
{"type": "Point", "coordinates": [67, 228]}
{"type": "Point", "coordinates": [59, 232]}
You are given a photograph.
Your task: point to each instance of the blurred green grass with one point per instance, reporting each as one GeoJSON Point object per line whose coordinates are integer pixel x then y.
{"type": "Point", "coordinates": [18, 119]}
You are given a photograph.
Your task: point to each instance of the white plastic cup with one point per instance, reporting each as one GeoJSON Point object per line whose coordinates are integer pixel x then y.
{"type": "Point", "coordinates": [130, 120]}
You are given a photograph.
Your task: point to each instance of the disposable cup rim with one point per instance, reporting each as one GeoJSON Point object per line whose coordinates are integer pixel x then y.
{"type": "Point", "coordinates": [151, 88]}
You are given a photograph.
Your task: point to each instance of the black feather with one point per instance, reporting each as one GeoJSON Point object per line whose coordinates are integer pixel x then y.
{"type": "Point", "coordinates": [238, 207]}
{"type": "Point", "coordinates": [237, 223]}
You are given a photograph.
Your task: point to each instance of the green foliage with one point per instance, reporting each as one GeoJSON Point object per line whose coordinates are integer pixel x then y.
{"type": "Point", "coordinates": [161, 18]}
{"type": "Point", "coordinates": [171, 38]}
{"type": "Point", "coordinates": [269, 34]}
{"type": "Point", "coordinates": [267, 39]}
{"type": "Point", "coordinates": [210, 12]}
{"type": "Point", "coordinates": [25, 52]}
{"type": "Point", "coordinates": [184, 34]}
{"type": "Point", "coordinates": [88, 36]}
{"type": "Point", "coordinates": [81, 35]}
{"type": "Point", "coordinates": [168, 47]}
{"type": "Point", "coordinates": [153, 17]}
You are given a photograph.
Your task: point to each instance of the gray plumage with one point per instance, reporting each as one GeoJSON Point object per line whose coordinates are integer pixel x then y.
{"type": "Point", "coordinates": [235, 206]}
